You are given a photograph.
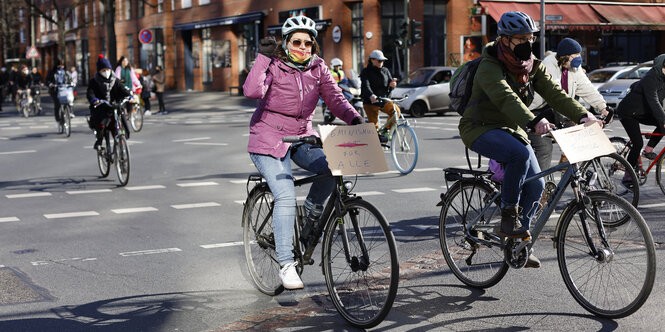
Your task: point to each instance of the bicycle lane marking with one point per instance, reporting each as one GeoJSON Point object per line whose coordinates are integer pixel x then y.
{"type": "Point", "coordinates": [71, 214]}
{"type": "Point", "coordinates": [9, 219]}
{"type": "Point", "coordinates": [28, 195]}
{"type": "Point", "coordinates": [18, 152]}
{"type": "Point", "coordinates": [197, 184]}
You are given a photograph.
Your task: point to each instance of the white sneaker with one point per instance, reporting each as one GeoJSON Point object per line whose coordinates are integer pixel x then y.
{"type": "Point", "coordinates": [290, 277]}
{"type": "Point", "coordinates": [147, 113]}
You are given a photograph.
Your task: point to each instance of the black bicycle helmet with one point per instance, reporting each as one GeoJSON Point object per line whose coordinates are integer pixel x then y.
{"type": "Point", "coordinates": [516, 23]}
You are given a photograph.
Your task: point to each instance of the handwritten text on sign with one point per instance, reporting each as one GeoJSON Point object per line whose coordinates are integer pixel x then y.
{"type": "Point", "coordinates": [353, 150]}
{"type": "Point", "coordinates": [583, 142]}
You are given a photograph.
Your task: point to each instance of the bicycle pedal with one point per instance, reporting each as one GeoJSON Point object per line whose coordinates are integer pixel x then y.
{"type": "Point", "coordinates": [528, 238]}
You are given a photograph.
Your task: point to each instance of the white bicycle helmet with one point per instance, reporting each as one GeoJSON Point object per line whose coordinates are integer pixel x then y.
{"type": "Point", "coordinates": [299, 22]}
{"type": "Point", "coordinates": [336, 62]}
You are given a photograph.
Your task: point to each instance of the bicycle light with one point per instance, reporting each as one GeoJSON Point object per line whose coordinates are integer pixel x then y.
{"type": "Point", "coordinates": [348, 185]}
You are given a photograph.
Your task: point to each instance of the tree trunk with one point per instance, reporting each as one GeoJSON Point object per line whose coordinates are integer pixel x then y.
{"type": "Point", "coordinates": [109, 19]}
{"type": "Point", "coordinates": [62, 42]}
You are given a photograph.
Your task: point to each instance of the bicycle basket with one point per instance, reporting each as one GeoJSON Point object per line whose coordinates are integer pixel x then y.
{"type": "Point", "coordinates": [65, 94]}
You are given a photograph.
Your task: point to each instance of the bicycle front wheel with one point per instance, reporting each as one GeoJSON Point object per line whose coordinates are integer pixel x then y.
{"type": "Point", "coordinates": [103, 161]}
{"type": "Point", "coordinates": [360, 264]}
{"type": "Point", "coordinates": [617, 282]}
{"type": "Point", "coordinates": [404, 148]}
{"type": "Point", "coordinates": [25, 109]}
{"type": "Point", "coordinates": [259, 241]}
{"type": "Point", "coordinates": [616, 176]}
{"type": "Point", "coordinates": [475, 257]}
{"type": "Point", "coordinates": [660, 172]}
{"type": "Point", "coordinates": [136, 117]}
{"type": "Point", "coordinates": [66, 120]}
{"type": "Point", "coordinates": [122, 160]}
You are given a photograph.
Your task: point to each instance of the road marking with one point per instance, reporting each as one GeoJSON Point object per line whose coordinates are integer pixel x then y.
{"type": "Point", "coordinates": [195, 205]}
{"type": "Point", "coordinates": [71, 214]}
{"type": "Point", "coordinates": [28, 195]}
{"type": "Point", "coordinates": [413, 190]}
{"type": "Point", "coordinates": [19, 152]}
{"type": "Point", "coordinates": [9, 219]}
{"type": "Point", "coordinates": [193, 122]}
{"type": "Point", "coordinates": [94, 191]}
{"type": "Point", "coordinates": [11, 128]}
{"type": "Point", "coordinates": [158, 186]}
{"type": "Point", "coordinates": [652, 205]}
{"type": "Point", "coordinates": [38, 263]}
{"type": "Point", "coordinates": [190, 139]}
{"type": "Point", "coordinates": [197, 184]}
{"type": "Point", "coordinates": [239, 202]}
{"type": "Point", "coordinates": [221, 245]}
{"type": "Point", "coordinates": [201, 143]}
{"type": "Point", "coordinates": [134, 210]}
{"type": "Point", "coordinates": [370, 193]}
{"type": "Point", "coordinates": [38, 127]}
{"type": "Point", "coordinates": [149, 252]}
{"type": "Point", "coordinates": [238, 181]}
{"type": "Point", "coordinates": [428, 169]}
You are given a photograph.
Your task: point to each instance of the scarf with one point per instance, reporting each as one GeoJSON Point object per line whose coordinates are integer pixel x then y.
{"type": "Point", "coordinates": [564, 79]}
{"type": "Point", "coordinates": [521, 69]}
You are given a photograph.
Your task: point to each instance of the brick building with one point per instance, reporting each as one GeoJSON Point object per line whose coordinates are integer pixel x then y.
{"type": "Point", "coordinates": [210, 44]}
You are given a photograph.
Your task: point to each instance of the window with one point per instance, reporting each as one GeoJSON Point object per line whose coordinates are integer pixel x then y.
{"type": "Point", "coordinates": [20, 15]}
{"type": "Point", "coordinates": [357, 37]}
{"type": "Point", "coordinates": [434, 33]}
{"type": "Point", "coordinates": [75, 16]}
{"type": "Point", "coordinates": [128, 10]}
{"type": "Point", "coordinates": [141, 9]}
{"type": "Point", "coordinates": [185, 4]}
{"type": "Point", "coordinates": [172, 5]}
{"type": "Point", "coordinates": [102, 16]}
{"type": "Point", "coordinates": [392, 18]}
{"type": "Point", "coordinates": [86, 14]}
{"type": "Point", "coordinates": [206, 70]}
{"type": "Point", "coordinates": [130, 48]}
{"type": "Point", "coordinates": [42, 25]}
{"type": "Point", "coordinates": [160, 6]}
{"type": "Point", "coordinates": [204, 2]}
{"type": "Point", "coordinates": [94, 13]}
{"type": "Point", "coordinates": [67, 22]}
{"type": "Point", "coordinates": [22, 36]}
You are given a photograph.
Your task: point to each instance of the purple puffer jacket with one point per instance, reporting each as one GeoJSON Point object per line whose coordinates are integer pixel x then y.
{"type": "Point", "coordinates": [288, 98]}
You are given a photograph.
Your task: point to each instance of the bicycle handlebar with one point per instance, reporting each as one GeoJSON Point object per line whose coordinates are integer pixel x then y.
{"type": "Point", "coordinates": [305, 139]}
{"type": "Point", "coordinates": [106, 102]}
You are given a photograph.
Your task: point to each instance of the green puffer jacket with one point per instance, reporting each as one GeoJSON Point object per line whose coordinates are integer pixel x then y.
{"type": "Point", "coordinates": [494, 104]}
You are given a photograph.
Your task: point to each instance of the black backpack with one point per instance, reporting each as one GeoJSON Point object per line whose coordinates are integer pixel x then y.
{"type": "Point", "coordinates": [461, 84]}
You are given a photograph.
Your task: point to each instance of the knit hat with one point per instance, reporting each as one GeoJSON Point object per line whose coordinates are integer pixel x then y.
{"type": "Point", "coordinates": [103, 63]}
{"type": "Point", "coordinates": [568, 46]}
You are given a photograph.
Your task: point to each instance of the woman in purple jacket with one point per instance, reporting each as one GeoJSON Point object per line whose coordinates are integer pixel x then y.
{"type": "Point", "coordinates": [288, 79]}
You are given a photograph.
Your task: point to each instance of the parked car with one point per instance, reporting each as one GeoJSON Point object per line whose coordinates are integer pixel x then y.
{"type": "Point", "coordinates": [601, 76]}
{"type": "Point", "coordinates": [614, 91]}
{"type": "Point", "coordinates": [427, 89]}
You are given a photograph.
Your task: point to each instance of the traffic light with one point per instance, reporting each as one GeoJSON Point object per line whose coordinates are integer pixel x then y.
{"type": "Point", "coordinates": [404, 30]}
{"type": "Point", "coordinates": [416, 32]}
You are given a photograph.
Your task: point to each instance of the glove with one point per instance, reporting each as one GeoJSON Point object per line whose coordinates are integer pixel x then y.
{"type": "Point", "coordinates": [357, 120]}
{"type": "Point", "coordinates": [267, 46]}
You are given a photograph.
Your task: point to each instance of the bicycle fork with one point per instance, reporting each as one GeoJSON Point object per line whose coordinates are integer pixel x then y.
{"type": "Point", "coordinates": [585, 204]}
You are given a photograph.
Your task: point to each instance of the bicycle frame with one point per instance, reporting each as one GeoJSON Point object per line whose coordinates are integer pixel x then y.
{"type": "Point", "coordinates": [639, 159]}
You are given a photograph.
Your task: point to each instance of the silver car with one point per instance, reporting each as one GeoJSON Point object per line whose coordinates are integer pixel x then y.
{"type": "Point", "coordinates": [614, 91]}
{"type": "Point", "coordinates": [427, 89]}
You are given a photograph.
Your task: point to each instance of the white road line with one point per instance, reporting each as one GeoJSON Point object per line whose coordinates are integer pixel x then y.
{"type": "Point", "coordinates": [94, 191]}
{"type": "Point", "coordinates": [193, 122]}
{"type": "Point", "coordinates": [221, 245]}
{"type": "Point", "coordinates": [239, 202]}
{"type": "Point", "coordinates": [195, 205]}
{"type": "Point", "coordinates": [28, 195]}
{"type": "Point", "coordinates": [190, 139]}
{"type": "Point", "coordinates": [202, 143]}
{"type": "Point", "coordinates": [37, 263]}
{"type": "Point", "coordinates": [145, 187]}
{"type": "Point", "coordinates": [370, 193]}
{"type": "Point", "coordinates": [149, 252]}
{"type": "Point", "coordinates": [11, 128]}
{"type": "Point", "coordinates": [71, 214]}
{"type": "Point", "coordinates": [134, 210]}
{"type": "Point", "coordinates": [9, 219]}
{"type": "Point", "coordinates": [197, 184]}
{"type": "Point", "coordinates": [18, 152]}
{"type": "Point", "coordinates": [413, 190]}
{"type": "Point", "coordinates": [243, 181]}
{"type": "Point", "coordinates": [652, 205]}
{"type": "Point", "coordinates": [428, 169]}
{"type": "Point", "coordinates": [38, 127]}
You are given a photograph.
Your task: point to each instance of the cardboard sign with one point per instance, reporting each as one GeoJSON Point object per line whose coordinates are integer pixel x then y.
{"type": "Point", "coordinates": [583, 142]}
{"type": "Point", "coordinates": [353, 150]}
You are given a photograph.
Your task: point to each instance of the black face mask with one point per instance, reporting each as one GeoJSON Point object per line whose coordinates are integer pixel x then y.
{"type": "Point", "coordinates": [523, 51]}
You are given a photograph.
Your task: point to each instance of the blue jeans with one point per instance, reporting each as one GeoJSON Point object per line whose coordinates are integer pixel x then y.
{"type": "Point", "coordinates": [519, 162]}
{"type": "Point", "coordinates": [277, 173]}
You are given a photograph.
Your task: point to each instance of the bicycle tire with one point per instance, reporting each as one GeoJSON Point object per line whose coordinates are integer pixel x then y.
{"type": "Point", "coordinates": [67, 120]}
{"type": "Point", "coordinates": [659, 172]}
{"type": "Point", "coordinates": [611, 170]}
{"type": "Point", "coordinates": [136, 118]}
{"type": "Point", "coordinates": [259, 241]}
{"type": "Point", "coordinates": [122, 160]}
{"type": "Point", "coordinates": [404, 148]}
{"type": "Point", "coordinates": [476, 264]}
{"type": "Point", "coordinates": [61, 126]}
{"type": "Point", "coordinates": [632, 249]}
{"type": "Point", "coordinates": [25, 110]}
{"type": "Point", "coordinates": [103, 161]}
{"type": "Point", "coordinates": [620, 145]}
{"type": "Point", "coordinates": [363, 292]}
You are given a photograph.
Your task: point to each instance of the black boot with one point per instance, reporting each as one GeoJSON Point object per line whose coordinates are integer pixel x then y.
{"type": "Point", "coordinates": [510, 226]}
{"type": "Point", "coordinates": [309, 237]}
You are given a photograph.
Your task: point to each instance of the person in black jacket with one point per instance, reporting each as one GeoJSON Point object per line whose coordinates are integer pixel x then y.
{"type": "Point", "coordinates": [376, 81]}
{"type": "Point", "coordinates": [103, 86]}
{"type": "Point", "coordinates": [643, 104]}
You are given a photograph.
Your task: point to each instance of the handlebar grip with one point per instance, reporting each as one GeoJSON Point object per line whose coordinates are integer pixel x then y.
{"type": "Point", "coordinates": [530, 127]}
{"type": "Point", "coordinates": [290, 139]}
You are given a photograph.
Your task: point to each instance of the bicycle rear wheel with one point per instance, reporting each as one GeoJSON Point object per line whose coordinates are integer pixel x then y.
{"type": "Point", "coordinates": [122, 160]}
{"type": "Point", "coordinates": [103, 161]}
{"type": "Point", "coordinates": [66, 120]}
{"type": "Point", "coordinates": [360, 264]}
{"type": "Point", "coordinates": [404, 148]}
{"type": "Point", "coordinates": [611, 170]}
{"type": "Point", "coordinates": [259, 241]}
{"type": "Point", "coordinates": [475, 257]}
{"type": "Point", "coordinates": [619, 281]}
{"type": "Point", "coordinates": [136, 117]}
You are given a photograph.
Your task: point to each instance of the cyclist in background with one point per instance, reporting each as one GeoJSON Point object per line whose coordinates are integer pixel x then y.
{"type": "Point", "coordinates": [377, 82]}
{"type": "Point", "coordinates": [23, 82]}
{"type": "Point", "coordinates": [337, 72]}
{"type": "Point", "coordinates": [497, 112]}
{"type": "Point", "coordinates": [58, 76]}
{"type": "Point", "coordinates": [104, 86]}
{"type": "Point", "coordinates": [643, 104]}
{"type": "Point", "coordinates": [288, 78]}
{"type": "Point", "coordinates": [564, 66]}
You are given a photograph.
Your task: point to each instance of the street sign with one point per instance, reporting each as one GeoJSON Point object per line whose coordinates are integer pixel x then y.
{"type": "Point", "coordinates": [145, 36]}
{"type": "Point", "coordinates": [337, 34]}
{"type": "Point", "coordinates": [32, 53]}
{"type": "Point", "coordinates": [553, 18]}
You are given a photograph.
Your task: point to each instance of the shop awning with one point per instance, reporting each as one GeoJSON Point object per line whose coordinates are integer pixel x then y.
{"type": "Point", "coordinates": [632, 17]}
{"type": "Point", "coordinates": [226, 20]}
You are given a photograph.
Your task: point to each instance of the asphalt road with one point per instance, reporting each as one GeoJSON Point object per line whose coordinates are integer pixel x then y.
{"type": "Point", "coordinates": [79, 253]}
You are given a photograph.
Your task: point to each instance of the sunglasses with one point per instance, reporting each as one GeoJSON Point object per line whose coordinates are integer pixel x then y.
{"type": "Point", "coordinates": [298, 42]}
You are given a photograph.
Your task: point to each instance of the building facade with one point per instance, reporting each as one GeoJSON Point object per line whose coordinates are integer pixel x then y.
{"type": "Point", "coordinates": [211, 44]}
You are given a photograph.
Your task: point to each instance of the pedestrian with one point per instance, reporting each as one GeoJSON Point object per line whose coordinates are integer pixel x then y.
{"type": "Point", "coordinates": [159, 78]}
{"type": "Point", "coordinates": [146, 82]}
{"type": "Point", "coordinates": [377, 82]}
{"type": "Point", "coordinates": [4, 81]}
{"type": "Point", "coordinates": [11, 77]}
{"type": "Point", "coordinates": [75, 78]}
{"type": "Point", "coordinates": [497, 112]}
{"type": "Point", "coordinates": [289, 78]}
{"type": "Point", "coordinates": [125, 72]}
{"type": "Point", "coordinates": [644, 104]}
